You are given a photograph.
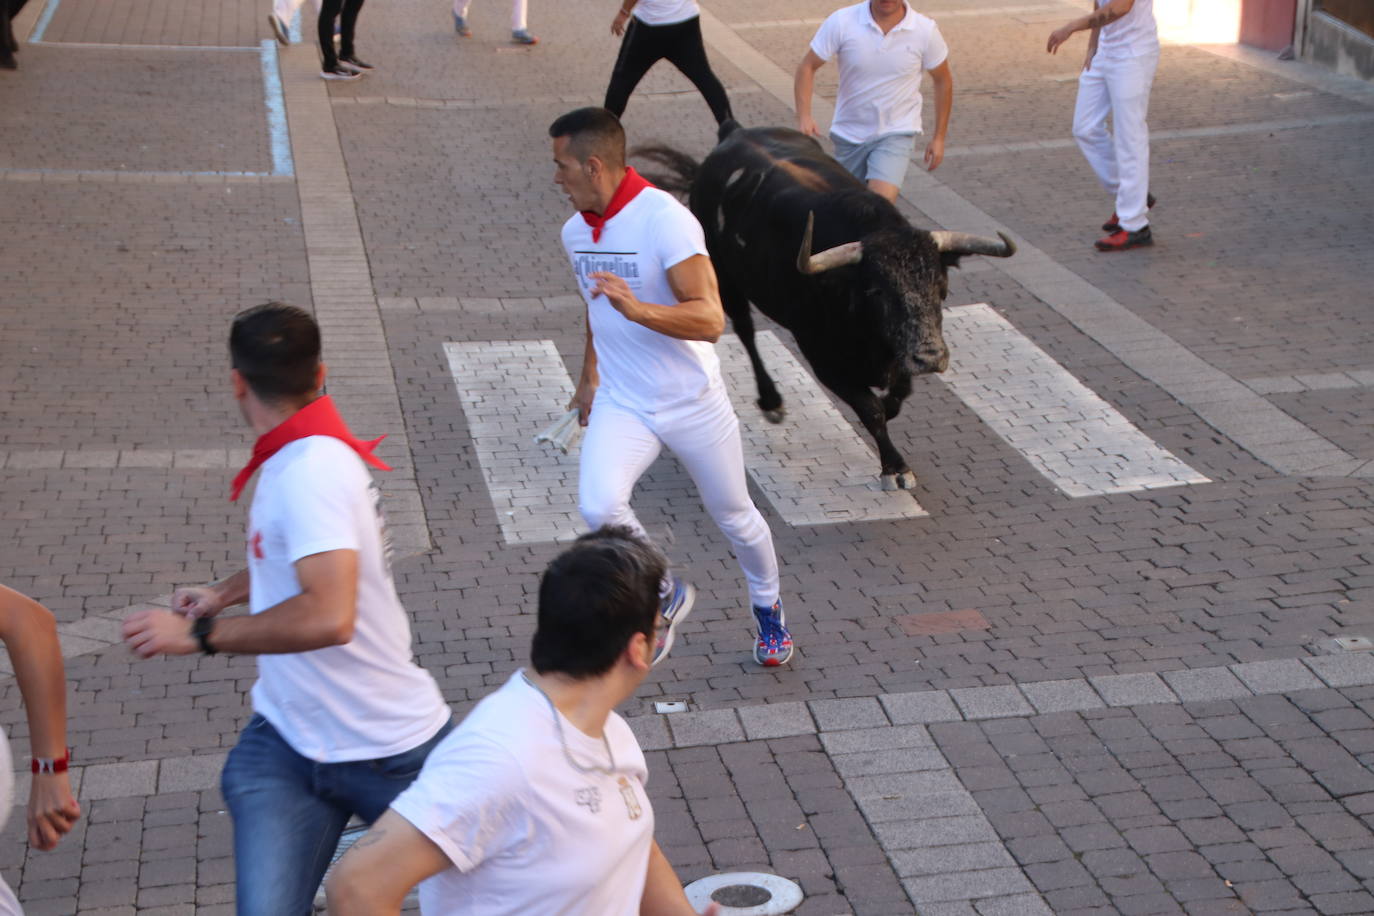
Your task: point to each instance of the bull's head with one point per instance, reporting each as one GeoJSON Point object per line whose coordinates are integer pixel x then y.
{"type": "Point", "coordinates": [908, 282]}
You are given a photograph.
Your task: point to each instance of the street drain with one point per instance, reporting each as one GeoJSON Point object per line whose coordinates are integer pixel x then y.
{"type": "Point", "coordinates": [745, 894]}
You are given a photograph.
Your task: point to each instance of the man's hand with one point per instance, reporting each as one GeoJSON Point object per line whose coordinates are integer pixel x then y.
{"type": "Point", "coordinates": [617, 291]}
{"type": "Point", "coordinates": [935, 153]}
{"type": "Point", "coordinates": [807, 125]}
{"type": "Point", "coordinates": [197, 601]}
{"type": "Point", "coordinates": [582, 400]}
{"type": "Point", "coordinates": [150, 633]}
{"type": "Point", "coordinates": [1058, 37]}
{"type": "Point", "coordinates": [52, 810]}
{"type": "Point", "coordinates": [618, 23]}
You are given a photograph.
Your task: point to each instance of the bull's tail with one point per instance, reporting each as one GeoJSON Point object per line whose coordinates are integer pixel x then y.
{"type": "Point", "coordinates": [681, 168]}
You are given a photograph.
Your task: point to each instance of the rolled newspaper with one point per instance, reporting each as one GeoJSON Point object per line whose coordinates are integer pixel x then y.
{"type": "Point", "coordinates": [563, 433]}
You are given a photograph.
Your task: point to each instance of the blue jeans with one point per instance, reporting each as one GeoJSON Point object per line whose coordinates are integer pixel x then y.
{"type": "Point", "coordinates": [289, 812]}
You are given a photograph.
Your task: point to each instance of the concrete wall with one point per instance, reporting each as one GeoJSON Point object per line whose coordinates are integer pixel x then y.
{"type": "Point", "coordinates": [1334, 44]}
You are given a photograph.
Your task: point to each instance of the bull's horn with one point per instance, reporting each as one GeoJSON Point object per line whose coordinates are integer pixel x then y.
{"type": "Point", "coordinates": [839, 256]}
{"type": "Point", "coordinates": [963, 243]}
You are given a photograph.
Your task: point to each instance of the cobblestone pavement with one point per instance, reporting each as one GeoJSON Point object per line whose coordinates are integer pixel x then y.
{"type": "Point", "coordinates": [1008, 699]}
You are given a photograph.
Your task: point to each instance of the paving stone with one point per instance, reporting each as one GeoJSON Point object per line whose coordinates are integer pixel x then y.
{"type": "Point", "coordinates": [838, 715]}
{"type": "Point", "coordinates": [920, 707]}
{"type": "Point", "coordinates": [1193, 685]}
{"type": "Point", "coordinates": [1062, 696]}
{"type": "Point", "coordinates": [1132, 689]}
{"type": "Point", "coordinates": [777, 720]}
{"type": "Point", "coordinates": [707, 726]}
{"type": "Point", "coordinates": [118, 780]}
{"type": "Point", "coordinates": [1348, 670]}
{"type": "Point", "coordinates": [1277, 676]}
{"type": "Point", "coordinates": [991, 702]}
{"type": "Point", "coordinates": [190, 774]}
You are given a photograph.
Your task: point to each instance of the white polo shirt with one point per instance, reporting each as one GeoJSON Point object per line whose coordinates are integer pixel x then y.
{"type": "Point", "coordinates": [527, 831]}
{"type": "Point", "coordinates": [665, 12]}
{"type": "Point", "coordinates": [367, 698]}
{"type": "Point", "coordinates": [880, 75]}
{"type": "Point", "coordinates": [640, 369]}
{"type": "Point", "coordinates": [1133, 35]}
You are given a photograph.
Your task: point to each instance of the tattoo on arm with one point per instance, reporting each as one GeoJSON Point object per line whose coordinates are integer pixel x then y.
{"type": "Point", "coordinates": [372, 836]}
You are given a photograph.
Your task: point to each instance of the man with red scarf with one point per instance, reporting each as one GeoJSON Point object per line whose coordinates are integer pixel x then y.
{"type": "Point", "coordinates": [343, 717]}
{"type": "Point", "coordinates": [650, 376]}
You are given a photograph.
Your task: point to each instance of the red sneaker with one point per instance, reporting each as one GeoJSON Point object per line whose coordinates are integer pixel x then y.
{"type": "Point", "coordinates": [1113, 224]}
{"type": "Point", "coordinates": [1120, 240]}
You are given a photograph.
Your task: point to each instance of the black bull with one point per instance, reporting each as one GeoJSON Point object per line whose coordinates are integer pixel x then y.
{"type": "Point", "coordinates": [865, 310]}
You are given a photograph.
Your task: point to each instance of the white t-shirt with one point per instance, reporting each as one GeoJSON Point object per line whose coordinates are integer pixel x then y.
{"type": "Point", "coordinates": [9, 905]}
{"type": "Point", "coordinates": [527, 833]}
{"type": "Point", "coordinates": [641, 369]}
{"type": "Point", "coordinates": [1133, 35]}
{"type": "Point", "coordinates": [365, 699]}
{"type": "Point", "coordinates": [880, 75]}
{"type": "Point", "coordinates": [665, 12]}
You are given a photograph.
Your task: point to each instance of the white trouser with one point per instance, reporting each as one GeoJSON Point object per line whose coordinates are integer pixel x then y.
{"type": "Point", "coordinates": [1121, 158]}
{"type": "Point", "coordinates": [517, 13]}
{"type": "Point", "coordinates": [619, 446]}
{"type": "Point", "coordinates": [285, 10]}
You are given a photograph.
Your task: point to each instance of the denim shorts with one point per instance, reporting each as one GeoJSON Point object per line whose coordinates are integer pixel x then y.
{"type": "Point", "coordinates": [883, 158]}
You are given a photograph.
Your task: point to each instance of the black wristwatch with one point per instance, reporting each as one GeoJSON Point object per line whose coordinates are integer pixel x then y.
{"type": "Point", "coordinates": [200, 629]}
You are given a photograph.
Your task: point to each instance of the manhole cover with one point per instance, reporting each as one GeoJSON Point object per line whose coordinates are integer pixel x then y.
{"type": "Point", "coordinates": [745, 894]}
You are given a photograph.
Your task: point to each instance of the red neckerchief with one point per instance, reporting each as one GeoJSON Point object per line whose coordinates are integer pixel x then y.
{"type": "Point", "coordinates": [318, 418]}
{"type": "Point", "coordinates": [629, 188]}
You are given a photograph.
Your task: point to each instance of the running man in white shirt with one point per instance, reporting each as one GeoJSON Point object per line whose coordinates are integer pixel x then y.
{"type": "Point", "coordinates": [343, 717]}
{"type": "Point", "coordinates": [883, 47]}
{"type": "Point", "coordinates": [650, 376]}
{"type": "Point", "coordinates": [536, 803]}
{"type": "Point", "coordinates": [1123, 51]}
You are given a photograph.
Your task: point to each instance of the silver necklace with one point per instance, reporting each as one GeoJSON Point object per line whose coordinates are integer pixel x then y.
{"type": "Point", "coordinates": [563, 741]}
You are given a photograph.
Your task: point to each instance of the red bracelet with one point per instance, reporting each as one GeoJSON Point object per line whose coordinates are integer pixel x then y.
{"type": "Point", "coordinates": [52, 764]}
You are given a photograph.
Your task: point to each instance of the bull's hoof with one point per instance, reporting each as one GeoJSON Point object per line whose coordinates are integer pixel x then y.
{"type": "Point", "coordinates": [775, 415]}
{"type": "Point", "coordinates": [903, 481]}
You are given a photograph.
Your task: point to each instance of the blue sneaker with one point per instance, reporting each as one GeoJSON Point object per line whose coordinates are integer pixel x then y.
{"type": "Point", "coordinates": [773, 646]}
{"type": "Point", "coordinates": [674, 607]}
{"type": "Point", "coordinates": [523, 37]}
{"type": "Point", "coordinates": [460, 25]}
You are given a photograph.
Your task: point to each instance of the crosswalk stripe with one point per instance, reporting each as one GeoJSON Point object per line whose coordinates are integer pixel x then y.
{"type": "Point", "coordinates": [814, 467]}
{"type": "Point", "coordinates": [511, 389]}
{"type": "Point", "coordinates": [1078, 441]}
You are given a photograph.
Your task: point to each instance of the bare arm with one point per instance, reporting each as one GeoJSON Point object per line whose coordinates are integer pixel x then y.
{"type": "Point", "coordinates": [944, 104]}
{"type": "Point", "coordinates": [1105, 14]}
{"type": "Point", "coordinates": [663, 894]}
{"type": "Point", "coordinates": [588, 382]}
{"type": "Point", "coordinates": [698, 314]}
{"type": "Point", "coordinates": [30, 636]}
{"type": "Point", "coordinates": [209, 600]}
{"type": "Point", "coordinates": [375, 875]}
{"type": "Point", "coordinates": [803, 88]}
{"type": "Point", "coordinates": [622, 16]}
{"type": "Point", "coordinates": [322, 615]}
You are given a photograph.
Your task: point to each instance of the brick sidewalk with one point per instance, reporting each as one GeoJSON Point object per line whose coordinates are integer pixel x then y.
{"type": "Point", "coordinates": [1024, 702]}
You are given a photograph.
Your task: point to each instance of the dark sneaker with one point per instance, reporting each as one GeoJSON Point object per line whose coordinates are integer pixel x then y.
{"type": "Point", "coordinates": [357, 66]}
{"type": "Point", "coordinates": [1113, 224]}
{"type": "Point", "coordinates": [460, 25]}
{"type": "Point", "coordinates": [523, 37]}
{"type": "Point", "coordinates": [1120, 240]}
{"type": "Point", "coordinates": [340, 72]}
{"type": "Point", "coordinates": [674, 607]}
{"type": "Point", "coordinates": [773, 646]}
{"type": "Point", "coordinates": [279, 29]}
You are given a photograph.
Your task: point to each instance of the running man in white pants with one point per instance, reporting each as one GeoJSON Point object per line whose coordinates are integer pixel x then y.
{"type": "Point", "coordinates": [519, 28]}
{"type": "Point", "coordinates": [1117, 74]}
{"type": "Point", "coordinates": [653, 313]}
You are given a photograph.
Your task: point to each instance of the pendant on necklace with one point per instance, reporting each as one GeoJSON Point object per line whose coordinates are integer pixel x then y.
{"type": "Point", "coordinates": [627, 793]}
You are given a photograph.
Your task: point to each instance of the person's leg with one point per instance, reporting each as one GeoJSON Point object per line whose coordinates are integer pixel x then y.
{"type": "Point", "coordinates": [616, 451]}
{"type": "Point", "coordinates": [1090, 124]}
{"type": "Point", "coordinates": [1128, 85]}
{"type": "Point", "coordinates": [348, 22]}
{"type": "Point", "coordinates": [368, 787]}
{"type": "Point", "coordinates": [324, 31]}
{"type": "Point", "coordinates": [284, 833]}
{"type": "Point", "coordinates": [688, 54]}
{"type": "Point", "coordinates": [853, 156]}
{"type": "Point", "coordinates": [640, 49]}
{"type": "Point", "coordinates": [706, 439]}
{"type": "Point", "coordinates": [888, 158]}
{"type": "Point", "coordinates": [519, 11]}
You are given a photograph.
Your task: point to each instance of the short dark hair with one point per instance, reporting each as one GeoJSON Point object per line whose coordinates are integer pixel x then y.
{"type": "Point", "coordinates": [592, 132]}
{"type": "Point", "coordinates": [276, 348]}
{"type": "Point", "coordinates": [593, 598]}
